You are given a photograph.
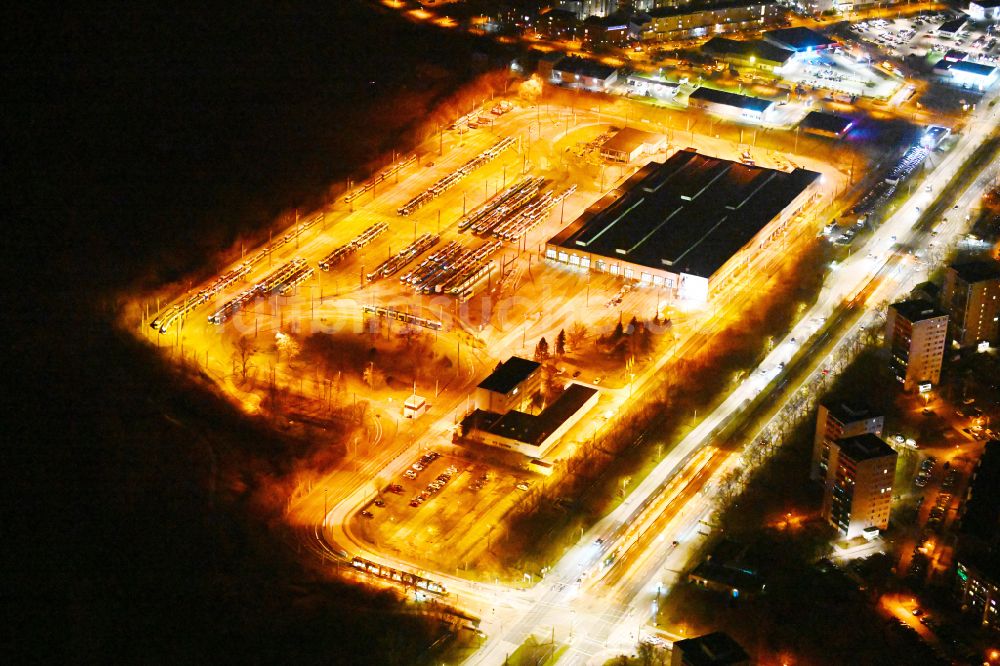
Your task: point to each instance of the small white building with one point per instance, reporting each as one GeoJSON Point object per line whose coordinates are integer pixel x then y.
{"type": "Point", "coordinates": [966, 73]}
{"type": "Point", "coordinates": [629, 144]}
{"type": "Point", "coordinates": [651, 86]}
{"type": "Point", "coordinates": [984, 10]}
{"type": "Point", "coordinates": [414, 406]}
{"type": "Point", "coordinates": [732, 105]}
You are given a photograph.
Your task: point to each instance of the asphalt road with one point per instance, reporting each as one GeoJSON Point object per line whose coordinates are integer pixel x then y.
{"type": "Point", "coordinates": [587, 620]}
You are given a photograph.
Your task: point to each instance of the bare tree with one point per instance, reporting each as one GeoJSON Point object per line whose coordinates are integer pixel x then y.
{"type": "Point", "coordinates": [243, 351]}
{"type": "Point", "coordinates": [576, 335]}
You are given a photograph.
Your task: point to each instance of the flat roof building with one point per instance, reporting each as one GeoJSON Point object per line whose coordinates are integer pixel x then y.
{"type": "Point", "coordinates": [836, 419]}
{"type": "Point", "coordinates": [754, 53]}
{"type": "Point", "coordinates": [971, 297]}
{"type": "Point", "coordinates": [966, 73]}
{"type": "Point", "coordinates": [715, 649]}
{"type": "Point", "coordinates": [978, 554]}
{"type": "Point", "coordinates": [691, 225]}
{"type": "Point", "coordinates": [577, 72]}
{"type": "Point", "coordinates": [933, 136]}
{"type": "Point", "coordinates": [953, 26]}
{"type": "Point", "coordinates": [730, 104]}
{"type": "Point", "coordinates": [605, 30]}
{"type": "Point", "coordinates": [699, 20]}
{"type": "Point", "coordinates": [648, 85]}
{"type": "Point", "coordinates": [916, 333]}
{"type": "Point", "coordinates": [727, 570]}
{"type": "Point", "coordinates": [799, 39]}
{"type": "Point", "coordinates": [858, 494]}
{"type": "Point", "coordinates": [629, 144]}
{"type": "Point", "coordinates": [826, 124]}
{"type": "Point", "coordinates": [984, 10]}
{"type": "Point", "coordinates": [586, 8]}
{"type": "Point", "coordinates": [510, 386]}
{"type": "Point", "coordinates": [532, 435]}
{"type": "Point", "coordinates": [980, 517]}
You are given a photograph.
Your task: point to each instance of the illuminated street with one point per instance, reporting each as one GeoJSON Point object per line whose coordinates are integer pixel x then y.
{"type": "Point", "coordinates": [506, 346]}
{"type": "Point", "coordinates": [598, 597]}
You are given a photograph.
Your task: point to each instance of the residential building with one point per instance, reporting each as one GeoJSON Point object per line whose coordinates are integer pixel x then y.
{"type": "Point", "coordinates": [977, 557]}
{"type": "Point", "coordinates": [978, 581]}
{"type": "Point", "coordinates": [600, 31]}
{"type": "Point", "coordinates": [511, 386]}
{"type": "Point", "coordinates": [916, 332]}
{"type": "Point", "coordinates": [611, 30]}
{"type": "Point", "coordinates": [836, 419]}
{"type": "Point", "coordinates": [555, 23]}
{"type": "Point", "coordinates": [700, 20]}
{"type": "Point", "coordinates": [715, 649]}
{"type": "Point", "coordinates": [971, 297]}
{"type": "Point", "coordinates": [858, 493]}
{"type": "Point", "coordinates": [586, 8]}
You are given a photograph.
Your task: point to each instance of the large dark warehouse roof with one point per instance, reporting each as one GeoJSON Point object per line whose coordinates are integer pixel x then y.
{"type": "Point", "coordinates": [687, 215]}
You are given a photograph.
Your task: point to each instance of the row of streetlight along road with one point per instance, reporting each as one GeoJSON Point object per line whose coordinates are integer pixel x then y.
{"type": "Point", "coordinates": [903, 276]}
{"type": "Point", "coordinates": [849, 279]}
{"type": "Point", "coordinates": [468, 266]}
{"type": "Point", "coordinates": [370, 184]}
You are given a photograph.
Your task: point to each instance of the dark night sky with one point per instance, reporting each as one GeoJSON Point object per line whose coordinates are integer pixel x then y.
{"type": "Point", "coordinates": [140, 140]}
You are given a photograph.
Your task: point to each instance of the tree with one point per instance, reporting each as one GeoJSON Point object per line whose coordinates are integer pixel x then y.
{"type": "Point", "coordinates": [542, 350]}
{"type": "Point", "coordinates": [619, 332]}
{"type": "Point", "coordinates": [373, 376]}
{"type": "Point", "coordinates": [576, 336]}
{"type": "Point", "coordinates": [561, 343]}
{"type": "Point", "coordinates": [244, 350]}
{"type": "Point", "coordinates": [286, 345]}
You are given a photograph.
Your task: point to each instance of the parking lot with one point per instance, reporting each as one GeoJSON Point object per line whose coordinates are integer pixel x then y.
{"type": "Point", "coordinates": [442, 509]}
{"type": "Point", "coordinates": [921, 36]}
